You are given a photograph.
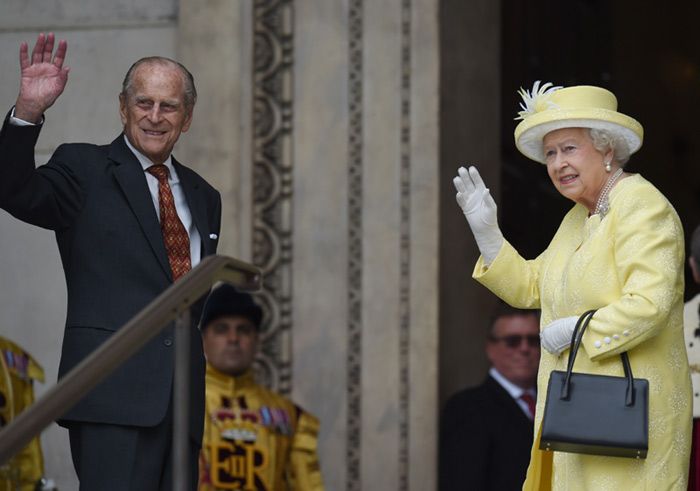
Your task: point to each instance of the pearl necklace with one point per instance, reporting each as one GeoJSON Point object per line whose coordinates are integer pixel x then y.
{"type": "Point", "coordinates": [602, 206]}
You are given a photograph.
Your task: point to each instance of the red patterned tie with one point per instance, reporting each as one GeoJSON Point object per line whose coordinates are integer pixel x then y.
{"type": "Point", "coordinates": [177, 242]}
{"type": "Point", "coordinates": [530, 401]}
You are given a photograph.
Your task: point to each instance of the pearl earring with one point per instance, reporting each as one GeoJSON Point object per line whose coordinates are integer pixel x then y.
{"type": "Point", "coordinates": [608, 167]}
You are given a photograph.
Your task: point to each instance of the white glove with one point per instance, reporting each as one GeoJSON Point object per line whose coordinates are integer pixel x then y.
{"type": "Point", "coordinates": [480, 210]}
{"type": "Point", "coordinates": [556, 337]}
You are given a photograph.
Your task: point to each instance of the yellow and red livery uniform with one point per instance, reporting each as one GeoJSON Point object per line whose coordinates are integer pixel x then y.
{"type": "Point", "coordinates": [18, 371]}
{"type": "Point", "coordinates": [255, 439]}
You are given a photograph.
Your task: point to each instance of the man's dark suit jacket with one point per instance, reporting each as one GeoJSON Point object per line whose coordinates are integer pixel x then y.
{"type": "Point", "coordinates": [485, 440]}
{"type": "Point", "coordinates": [97, 201]}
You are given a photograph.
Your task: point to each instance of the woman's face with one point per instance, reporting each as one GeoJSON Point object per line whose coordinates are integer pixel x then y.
{"type": "Point", "coordinates": [575, 167]}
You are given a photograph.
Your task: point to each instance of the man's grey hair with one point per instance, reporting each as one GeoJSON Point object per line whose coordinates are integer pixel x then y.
{"type": "Point", "coordinates": [190, 92]}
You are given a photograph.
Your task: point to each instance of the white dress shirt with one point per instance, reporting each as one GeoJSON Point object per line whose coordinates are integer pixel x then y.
{"type": "Point", "coordinates": [183, 210]}
{"type": "Point", "coordinates": [514, 391]}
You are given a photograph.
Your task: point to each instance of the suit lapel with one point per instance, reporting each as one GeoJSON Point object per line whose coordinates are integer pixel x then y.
{"type": "Point", "coordinates": [130, 177]}
{"type": "Point", "coordinates": [506, 399]}
{"type": "Point", "coordinates": [197, 205]}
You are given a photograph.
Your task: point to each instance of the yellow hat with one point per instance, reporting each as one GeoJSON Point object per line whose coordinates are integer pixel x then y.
{"type": "Point", "coordinates": [548, 108]}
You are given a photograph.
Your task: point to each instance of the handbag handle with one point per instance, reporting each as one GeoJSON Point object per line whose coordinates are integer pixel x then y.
{"type": "Point", "coordinates": [576, 337]}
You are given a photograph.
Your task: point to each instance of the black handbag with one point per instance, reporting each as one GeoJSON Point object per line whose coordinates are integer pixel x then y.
{"type": "Point", "coordinates": [595, 414]}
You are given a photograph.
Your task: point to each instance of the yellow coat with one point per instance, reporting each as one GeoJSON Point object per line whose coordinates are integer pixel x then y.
{"type": "Point", "coordinates": [629, 266]}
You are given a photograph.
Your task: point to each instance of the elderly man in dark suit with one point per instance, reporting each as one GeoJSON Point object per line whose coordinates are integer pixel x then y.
{"type": "Point", "coordinates": [129, 221]}
{"type": "Point", "coordinates": [486, 431]}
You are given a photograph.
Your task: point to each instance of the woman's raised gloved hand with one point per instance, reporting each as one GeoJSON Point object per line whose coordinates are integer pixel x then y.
{"type": "Point", "coordinates": [480, 210]}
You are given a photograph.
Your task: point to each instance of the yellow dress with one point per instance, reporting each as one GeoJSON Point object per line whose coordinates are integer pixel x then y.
{"type": "Point", "coordinates": [255, 439]}
{"type": "Point", "coordinates": [629, 266]}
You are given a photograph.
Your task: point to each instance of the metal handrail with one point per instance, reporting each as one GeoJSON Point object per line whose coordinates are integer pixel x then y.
{"type": "Point", "coordinates": [167, 307]}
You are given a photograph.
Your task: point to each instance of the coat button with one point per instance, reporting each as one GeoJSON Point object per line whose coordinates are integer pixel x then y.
{"type": "Point", "coordinates": [168, 342]}
{"type": "Point", "coordinates": [597, 344]}
{"type": "Point", "coordinates": [607, 340]}
{"type": "Point", "coordinates": [626, 333]}
{"type": "Point", "coordinates": [616, 337]}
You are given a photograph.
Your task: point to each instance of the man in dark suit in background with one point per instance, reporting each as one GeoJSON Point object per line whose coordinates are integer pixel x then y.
{"type": "Point", "coordinates": [129, 221]}
{"type": "Point", "coordinates": [486, 432]}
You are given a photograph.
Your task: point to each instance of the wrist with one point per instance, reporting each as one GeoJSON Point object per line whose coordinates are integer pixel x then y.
{"type": "Point", "coordinates": [490, 245]}
{"type": "Point", "coordinates": [28, 112]}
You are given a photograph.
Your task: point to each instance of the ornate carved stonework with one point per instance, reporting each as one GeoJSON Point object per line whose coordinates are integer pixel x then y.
{"type": "Point", "coordinates": [272, 184]}
{"type": "Point", "coordinates": [272, 220]}
{"type": "Point", "coordinates": [405, 248]}
{"type": "Point", "coordinates": [354, 348]}
{"type": "Point", "coordinates": [355, 252]}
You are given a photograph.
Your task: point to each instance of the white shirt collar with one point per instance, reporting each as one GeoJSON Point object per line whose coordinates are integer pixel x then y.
{"type": "Point", "coordinates": [146, 162]}
{"type": "Point", "coordinates": [514, 391]}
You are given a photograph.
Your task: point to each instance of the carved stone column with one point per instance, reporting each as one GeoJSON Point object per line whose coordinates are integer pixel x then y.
{"type": "Point", "coordinates": [365, 238]}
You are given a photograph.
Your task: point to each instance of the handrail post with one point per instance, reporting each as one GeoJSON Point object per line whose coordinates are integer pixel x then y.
{"type": "Point", "coordinates": [181, 402]}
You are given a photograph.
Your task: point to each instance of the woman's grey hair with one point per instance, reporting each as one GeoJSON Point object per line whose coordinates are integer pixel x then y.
{"type": "Point", "coordinates": [604, 140]}
{"type": "Point", "coordinates": [190, 95]}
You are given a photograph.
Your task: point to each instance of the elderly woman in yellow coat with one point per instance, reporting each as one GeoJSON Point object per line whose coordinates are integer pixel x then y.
{"type": "Point", "coordinates": [620, 250]}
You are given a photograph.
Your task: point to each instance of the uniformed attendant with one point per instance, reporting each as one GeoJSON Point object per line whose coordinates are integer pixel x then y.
{"type": "Point", "coordinates": [18, 372]}
{"type": "Point", "coordinates": [254, 438]}
{"type": "Point", "coordinates": [691, 322]}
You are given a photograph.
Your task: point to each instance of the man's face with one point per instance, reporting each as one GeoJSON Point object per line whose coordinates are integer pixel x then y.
{"type": "Point", "coordinates": [514, 348]}
{"type": "Point", "coordinates": [230, 344]}
{"type": "Point", "coordinates": [154, 113]}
